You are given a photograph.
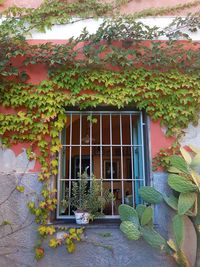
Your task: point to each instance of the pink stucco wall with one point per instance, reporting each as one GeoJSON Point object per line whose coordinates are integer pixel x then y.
{"type": "Point", "coordinates": [38, 73]}
{"type": "Point", "coordinates": [132, 6]}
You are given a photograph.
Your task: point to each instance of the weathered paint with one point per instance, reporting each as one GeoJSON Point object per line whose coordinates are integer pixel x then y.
{"type": "Point", "coordinates": [60, 32]}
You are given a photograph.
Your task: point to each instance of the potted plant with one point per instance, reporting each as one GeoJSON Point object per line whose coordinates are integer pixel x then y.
{"type": "Point", "coordinates": [87, 200]}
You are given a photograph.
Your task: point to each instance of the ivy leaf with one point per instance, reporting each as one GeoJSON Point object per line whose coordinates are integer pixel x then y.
{"type": "Point", "coordinates": [20, 188]}
{"type": "Point", "coordinates": [39, 253]}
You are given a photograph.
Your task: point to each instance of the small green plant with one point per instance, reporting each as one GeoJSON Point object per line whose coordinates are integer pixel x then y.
{"type": "Point", "coordinates": [87, 196]}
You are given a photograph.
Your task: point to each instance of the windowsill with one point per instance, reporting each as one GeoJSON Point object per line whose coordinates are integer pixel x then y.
{"type": "Point", "coordinates": [96, 224]}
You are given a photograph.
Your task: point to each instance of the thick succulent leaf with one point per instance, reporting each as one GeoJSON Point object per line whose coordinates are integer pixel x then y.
{"type": "Point", "coordinates": [147, 216]}
{"type": "Point", "coordinates": [178, 229]}
{"type": "Point", "coordinates": [179, 163]}
{"type": "Point", "coordinates": [186, 155]}
{"type": "Point", "coordinates": [140, 209]}
{"type": "Point", "coordinates": [186, 201]}
{"type": "Point", "coordinates": [130, 230]}
{"type": "Point", "coordinates": [171, 201]}
{"type": "Point", "coordinates": [128, 213]}
{"type": "Point", "coordinates": [181, 184]}
{"type": "Point", "coordinates": [174, 170]}
{"type": "Point", "coordinates": [153, 238]}
{"type": "Point", "coordinates": [150, 195]}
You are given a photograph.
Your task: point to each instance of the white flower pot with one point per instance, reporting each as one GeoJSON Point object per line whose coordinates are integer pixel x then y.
{"type": "Point", "coordinates": [82, 217]}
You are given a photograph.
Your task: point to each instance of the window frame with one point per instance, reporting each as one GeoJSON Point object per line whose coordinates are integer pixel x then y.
{"type": "Point", "coordinates": [145, 131]}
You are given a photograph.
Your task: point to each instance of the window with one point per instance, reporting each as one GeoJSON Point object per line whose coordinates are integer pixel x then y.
{"type": "Point", "coordinates": [108, 144]}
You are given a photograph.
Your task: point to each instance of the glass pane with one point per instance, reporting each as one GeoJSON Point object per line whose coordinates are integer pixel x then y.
{"type": "Point", "coordinates": [128, 193]}
{"type": "Point", "coordinates": [96, 162]}
{"type": "Point", "coordinates": [136, 130]}
{"type": "Point", "coordinates": [66, 139]}
{"type": "Point", "coordinates": [117, 195]}
{"type": "Point", "coordinates": [63, 196]}
{"type": "Point", "coordinates": [85, 140]}
{"type": "Point", "coordinates": [64, 154]}
{"type": "Point", "coordinates": [127, 162]}
{"type": "Point", "coordinates": [85, 164]}
{"type": "Point", "coordinates": [115, 129]}
{"type": "Point", "coordinates": [108, 207]}
{"type": "Point", "coordinates": [138, 172]}
{"type": "Point", "coordinates": [126, 129]}
{"type": "Point", "coordinates": [75, 129]}
{"type": "Point", "coordinates": [106, 129]}
{"type": "Point", "coordinates": [96, 129]}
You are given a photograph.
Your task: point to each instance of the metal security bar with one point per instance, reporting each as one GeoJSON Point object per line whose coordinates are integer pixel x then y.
{"type": "Point", "coordinates": [108, 145]}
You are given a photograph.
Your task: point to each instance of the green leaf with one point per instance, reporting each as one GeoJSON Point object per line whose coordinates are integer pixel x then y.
{"type": "Point", "coordinates": [140, 209]}
{"type": "Point", "coordinates": [130, 230]}
{"type": "Point", "coordinates": [181, 184]}
{"type": "Point", "coordinates": [147, 216]}
{"type": "Point", "coordinates": [185, 202]}
{"type": "Point", "coordinates": [178, 229]}
{"type": "Point", "coordinates": [150, 195]}
{"type": "Point", "coordinates": [171, 201]}
{"type": "Point", "coordinates": [71, 247]}
{"type": "Point", "coordinates": [5, 223]}
{"type": "Point", "coordinates": [174, 170]}
{"type": "Point", "coordinates": [179, 163]}
{"type": "Point", "coordinates": [153, 238]}
{"type": "Point", "coordinates": [20, 188]}
{"type": "Point", "coordinates": [128, 213]}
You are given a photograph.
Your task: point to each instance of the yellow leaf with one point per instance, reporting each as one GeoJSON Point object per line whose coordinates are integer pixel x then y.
{"type": "Point", "coordinates": [196, 178]}
{"type": "Point", "coordinates": [39, 253]}
{"type": "Point", "coordinates": [186, 155]}
{"type": "Point", "coordinates": [20, 188]}
{"type": "Point", "coordinates": [172, 245]}
{"type": "Point", "coordinates": [51, 230]}
{"type": "Point", "coordinates": [80, 231]}
{"type": "Point", "coordinates": [53, 243]}
{"type": "Point", "coordinates": [72, 230]}
{"type": "Point", "coordinates": [71, 247]}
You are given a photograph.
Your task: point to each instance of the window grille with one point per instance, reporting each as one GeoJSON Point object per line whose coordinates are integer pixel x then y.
{"type": "Point", "coordinates": [108, 144]}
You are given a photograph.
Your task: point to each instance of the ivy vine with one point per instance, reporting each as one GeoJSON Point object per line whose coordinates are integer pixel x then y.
{"type": "Point", "coordinates": [121, 64]}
